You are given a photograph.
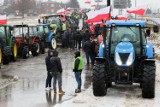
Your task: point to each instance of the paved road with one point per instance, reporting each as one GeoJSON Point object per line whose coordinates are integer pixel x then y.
{"type": "Point", "coordinates": [29, 90]}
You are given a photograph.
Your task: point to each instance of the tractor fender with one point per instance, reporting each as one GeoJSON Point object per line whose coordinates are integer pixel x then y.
{"type": "Point", "coordinates": [149, 50]}
{"type": "Point", "coordinates": [50, 36]}
{"type": "Point", "coordinates": [36, 38]}
{"type": "Point", "coordinates": [10, 40]}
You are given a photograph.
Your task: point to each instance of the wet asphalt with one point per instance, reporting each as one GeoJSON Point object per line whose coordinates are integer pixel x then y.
{"type": "Point", "coordinates": [29, 90]}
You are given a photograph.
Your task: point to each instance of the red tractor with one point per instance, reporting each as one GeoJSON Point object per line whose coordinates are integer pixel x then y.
{"type": "Point", "coordinates": [27, 40]}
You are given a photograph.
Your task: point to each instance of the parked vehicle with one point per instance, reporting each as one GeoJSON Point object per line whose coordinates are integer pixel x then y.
{"type": "Point", "coordinates": [126, 57]}
{"type": "Point", "coordinates": [8, 45]}
{"type": "Point", "coordinates": [27, 39]}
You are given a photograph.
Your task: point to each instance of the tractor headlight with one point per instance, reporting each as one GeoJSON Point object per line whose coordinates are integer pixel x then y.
{"type": "Point", "coordinates": [130, 59]}
{"type": "Point", "coordinates": [102, 45]}
{"type": "Point", "coordinates": [118, 59]}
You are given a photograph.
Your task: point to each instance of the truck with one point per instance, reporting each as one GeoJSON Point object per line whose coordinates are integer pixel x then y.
{"type": "Point", "coordinates": [125, 57]}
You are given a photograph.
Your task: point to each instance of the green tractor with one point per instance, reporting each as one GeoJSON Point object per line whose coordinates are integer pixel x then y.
{"type": "Point", "coordinates": [8, 45]}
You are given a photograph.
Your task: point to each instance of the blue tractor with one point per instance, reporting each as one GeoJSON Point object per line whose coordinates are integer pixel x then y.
{"type": "Point", "coordinates": [125, 57]}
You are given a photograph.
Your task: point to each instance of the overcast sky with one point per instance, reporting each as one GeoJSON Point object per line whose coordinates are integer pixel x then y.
{"type": "Point", "coordinates": [153, 4]}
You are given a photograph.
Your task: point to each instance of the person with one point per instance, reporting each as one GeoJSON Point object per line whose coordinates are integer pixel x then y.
{"type": "Point", "coordinates": [93, 50]}
{"type": "Point", "coordinates": [48, 67]}
{"type": "Point", "coordinates": [78, 40]}
{"type": "Point", "coordinates": [85, 37]}
{"type": "Point", "coordinates": [77, 69]}
{"type": "Point", "coordinates": [56, 72]}
{"type": "Point", "coordinates": [87, 50]}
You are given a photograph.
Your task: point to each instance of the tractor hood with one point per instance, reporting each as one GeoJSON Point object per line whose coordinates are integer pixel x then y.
{"type": "Point", "coordinates": [124, 54]}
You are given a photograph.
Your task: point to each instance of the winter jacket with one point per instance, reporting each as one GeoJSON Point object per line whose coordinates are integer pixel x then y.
{"type": "Point", "coordinates": [48, 63]}
{"type": "Point", "coordinates": [56, 64]}
{"type": "Point", "coordinates": [78, 64]}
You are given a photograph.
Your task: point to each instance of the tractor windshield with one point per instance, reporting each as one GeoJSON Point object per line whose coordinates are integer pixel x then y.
{"type": "Point", "coordinates": [18, 31]}
{"type": "Point", "coordinates": [32, 31]}
{"type": "Point", "coordinates": [125, 34]}
{"type": "Point", "coordinates": [2, 32]}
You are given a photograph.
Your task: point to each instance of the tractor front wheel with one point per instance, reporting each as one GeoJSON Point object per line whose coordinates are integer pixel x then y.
{"type": "Point", "coordinates": [53, 43]}
{"type": "Point", "coordinates": [99, 84]}
{"type": "Point", "coordinates": [14, 51]}
{"type": "Point", "coordinates": [148, 82]}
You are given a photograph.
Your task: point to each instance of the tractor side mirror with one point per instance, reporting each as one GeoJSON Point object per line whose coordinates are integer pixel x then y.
{"type": "Point", "coordinates": [148, 32]}
{"type": "Point", "coordinates": [155, 29]}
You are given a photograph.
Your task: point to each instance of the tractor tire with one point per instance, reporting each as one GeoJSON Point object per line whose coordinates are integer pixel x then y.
{"type": "Point", "coordinates": [6, 55]}
{"type": "Point", "coordinates": [25, 52]}
{"type": "Point", "coordinates": [99, 84]}
{"type": "Point", "coordinates": [42, 48]}
{"type": "Point", "coordinates": [14, 48]}
{"type": "Point", "coordinates": [0, 57]}
{"type": "Point", "coordinates": [36, 48]}
{"type": "Point", "coordinates": [148, 81]}
{"type": "Point", "coordinates": [53, 43]}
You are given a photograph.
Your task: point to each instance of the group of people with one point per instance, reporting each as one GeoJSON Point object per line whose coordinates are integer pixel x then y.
{"type": "Point", "coordinates": [54, 70]}
{"type": "Point", "coordinates": [71, 39]}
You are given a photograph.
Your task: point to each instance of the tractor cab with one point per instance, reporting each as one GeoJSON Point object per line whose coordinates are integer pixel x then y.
{"type": "Point", "coordinates": [125, 57]}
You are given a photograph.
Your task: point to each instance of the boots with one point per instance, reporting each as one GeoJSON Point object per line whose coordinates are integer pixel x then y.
{"type": "Point", "coordinates": [61, 91]}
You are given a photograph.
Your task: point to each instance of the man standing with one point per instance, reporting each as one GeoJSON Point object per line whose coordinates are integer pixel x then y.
{"type": "Point", "coordinates": [77, 69]}
{"type": "Point", "coordinates": [48, 67]}
{"type": "Point", "coordinates": [56, 72]}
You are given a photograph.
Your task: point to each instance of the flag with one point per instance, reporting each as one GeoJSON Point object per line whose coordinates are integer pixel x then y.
{"type": "Point", "coordinates": [121, 17]}
{"type": "Point", "coordinates": [93, 5]}
{"type": "Point", "coordinates": [61, 11]}
{"type": "Point", "coordinates": [138, 11]}
{"type": "Point", "coordinates": [98, 15]}
{"type": "Point", "coordinates": [87, 2]}
{"type": "Point", "coordinates": [3, 19]}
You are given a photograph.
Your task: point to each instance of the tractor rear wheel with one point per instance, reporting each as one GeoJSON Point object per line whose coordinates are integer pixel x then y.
{"type": "Point", "coordinates": [14, 51]}
{"type": "Point", "coordinates": [36, 50]}
{"type": "Point", "coordinates": [99, 84]}
{"type": "Point", "coordinates": [6, 55]}
{"type": "Point", "coordinates": [148, 82]}
{"type": "Point", "coordinates": [0, 57]}
{"type": "Point", "coordinates": [53, 43]}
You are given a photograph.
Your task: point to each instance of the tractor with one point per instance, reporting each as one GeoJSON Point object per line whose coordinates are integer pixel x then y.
{"type": "Point", "coordinates": [43, 33]}
{"type": "Point", "coordinates": [125, 57]}
{"type": "Point", "coordinates": [8, 45]}
{"type": "Point", "coordinates": [27, 40]}
{"type": "Point", "coordinates": [57, 25]}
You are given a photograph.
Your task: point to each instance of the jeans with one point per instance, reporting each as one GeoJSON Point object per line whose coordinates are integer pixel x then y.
{"type": "Point", "coordinates": [89, 56]}
{"type": "Point", "coordinates": [78, 79]}
{"type": "Point", "coordinates": [48, 80]}
{"type": "Point", "coordinates": [57, 77]}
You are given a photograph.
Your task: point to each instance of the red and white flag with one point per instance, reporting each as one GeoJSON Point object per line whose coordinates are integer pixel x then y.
{"type": "Point", "coordinates": [121, 17]}
{"type": "Point", "coordinates": [98, 15]}
{"type": "Point", "coordinates": [138, 11]}
{"type": "Point", "coordinates": [3, 19]}
{"type": "Point", "coordinates": [87, 2]}
{"type": "Point", "coordinates": [61, 11]}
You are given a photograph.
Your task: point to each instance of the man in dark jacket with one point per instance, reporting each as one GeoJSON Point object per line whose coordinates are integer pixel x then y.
{"type": "Point", "coordinates": [78, 40]}
{"type": "Point", "coordinates": [77, 69]}
{"type": "Point", "coordinates": [56, 71]}
{"type": "Point", "coordinates": [48, 67]}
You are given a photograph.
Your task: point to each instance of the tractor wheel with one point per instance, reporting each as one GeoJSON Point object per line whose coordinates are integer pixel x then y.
{"type": "Point", "coordinates": [6, 55]}
{"type": "Point", "coordinates": [36, 50]}
{"type": "Point", "coordinates": [42, 48]}
{"type": "Point", "coordinates": [0, 57]}
{"type": "Point", "coordinates": [148, 81]}
{"type": "Point", "coordinates": [25, 52]}
{"type": "Point", "coordinates": [14, 51]}
{"type": "Point", "coordinates": [99, 84]}
{"type": "Point", "coordinates": [53, 43]}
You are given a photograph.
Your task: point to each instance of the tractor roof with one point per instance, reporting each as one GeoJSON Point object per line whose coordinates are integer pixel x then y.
{"type": "Point", "coordinates": [126, 22]}
{"type": "Point", "coordinates": [43, 24]}
{"type": "Point", "coordinates": [20, 25]}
